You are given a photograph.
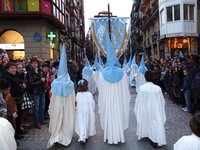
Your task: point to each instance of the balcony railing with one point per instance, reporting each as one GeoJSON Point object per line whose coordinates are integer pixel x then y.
{"type": "Point", "coordinates": [154, 8]}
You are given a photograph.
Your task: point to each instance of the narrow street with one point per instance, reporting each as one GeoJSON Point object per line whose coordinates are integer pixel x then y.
{"type": "Point", "coordinates": [176, 126]}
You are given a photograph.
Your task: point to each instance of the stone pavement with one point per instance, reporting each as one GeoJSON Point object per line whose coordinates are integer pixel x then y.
{"type": "Point", "coordinates": [176, 126]}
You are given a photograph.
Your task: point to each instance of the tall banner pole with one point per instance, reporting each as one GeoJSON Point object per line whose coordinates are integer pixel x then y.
{"type": "Point", "coordinates": [109, 23]}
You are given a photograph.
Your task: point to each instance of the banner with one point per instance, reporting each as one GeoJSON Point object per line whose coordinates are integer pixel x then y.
{"type": "Point", "coordinates": [33, 5]}
{"type": "Point", "coordinates": [7, 5]}
{"type": "Point", "coordinates": [118, 33]}
{"type": "Point", "coordinates": [20, 5]}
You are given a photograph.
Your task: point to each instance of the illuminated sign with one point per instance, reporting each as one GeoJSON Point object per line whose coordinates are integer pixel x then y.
{"type": "Point", "coordinates": [179, 43]}
{"type": "Point", "coordinates": [51, 36]}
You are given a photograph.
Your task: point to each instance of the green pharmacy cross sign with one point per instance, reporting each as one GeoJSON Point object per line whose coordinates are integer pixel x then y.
{"type": "Point", "coordinates": [51, 36]}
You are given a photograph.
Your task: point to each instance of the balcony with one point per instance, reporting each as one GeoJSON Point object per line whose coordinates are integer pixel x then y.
{"type": "Point", "coordinates": [154, 8]}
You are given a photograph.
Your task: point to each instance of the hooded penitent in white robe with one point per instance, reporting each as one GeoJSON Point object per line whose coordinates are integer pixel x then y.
{"type": "Point", "coordinates": [113, 105]}
{"type": "Point", "coordinates": [140, 80]}
{"type": "Point", "coordinates": [191, 142]}
{"type": "Point", "coordinates": [85, 116]}
{"type": "Point", "coordinates": [7, 140]}
{"type": "Point", "coordinates": [62, 113]}
{"type": "Point", "coordinates": [91, 82]}
{"type": "Point", "coordinates": [133, 74]}
{"type": "Point", "coordinates": [150, 113]}
{"type": "Point", "coordinates": [96, 75]}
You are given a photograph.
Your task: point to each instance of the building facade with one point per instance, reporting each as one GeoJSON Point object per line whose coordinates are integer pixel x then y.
{"type": "Point", "coordinates": [41, 25]}
{"type": "Point", "coordinates": [150, 28]}
{"type": "Point", "coordinates": [167, 27]}
{"type": "Point", "coordinates": [135, 37]}
{"type": "Point", "coordinates": [178, 26]}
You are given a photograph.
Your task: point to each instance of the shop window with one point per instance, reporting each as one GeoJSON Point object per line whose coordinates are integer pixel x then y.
{"type": "Point", "coordinates": [169, 14]}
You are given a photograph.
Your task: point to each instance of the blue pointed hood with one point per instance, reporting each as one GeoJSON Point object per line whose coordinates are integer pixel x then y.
{"type": "Point", "coordinates": [133, 64]}
{"type": "Point", "coordinates": [62, 85]}
{"type": "Point", "coordinates": [142, 68]}
{"type": "Point", "coordinates": [101, 61]}
{"type": "Point", "coordinates": [112, 73]}
{"type": "Point", "coordinates": [87, 70]}
{"type": "Point", "coordinates": [96, 65]}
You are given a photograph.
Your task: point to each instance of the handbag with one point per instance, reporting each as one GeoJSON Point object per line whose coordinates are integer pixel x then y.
{"type": "Point", "coordinates": [27, 101]}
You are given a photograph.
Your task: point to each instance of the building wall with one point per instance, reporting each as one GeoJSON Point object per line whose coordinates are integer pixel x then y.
{"type": "Point", "coordinates": [28, 28]}
{"type": "Point", "coordinates": [177, 26]}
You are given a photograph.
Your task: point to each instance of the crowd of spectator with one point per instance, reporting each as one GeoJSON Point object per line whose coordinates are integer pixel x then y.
{"type": "Point", "coordinates": [25, 85]}
{"type": "Point", "coordinates": [179, 78]}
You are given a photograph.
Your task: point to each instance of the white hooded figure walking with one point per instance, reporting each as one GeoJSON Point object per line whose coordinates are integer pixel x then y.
{"type": "Point", "coordinates": [114, 98]}
{"type": "Point", "coordinates": [150, 112]}
{"type": "Point", "coordinates": [96, 67]}
{"type": "Point", "coordinates": [140, 80]}
{"type": "Point", "coordinates": [85, 116]}
{"type": "Point", "coordinates": [88, 74]}
{"type": "Point", "coordinates": [62, 106]}
{"type": "Point", "coordinates": [125, 65]}
{"type": "Point", "coordinates": [133, 72]}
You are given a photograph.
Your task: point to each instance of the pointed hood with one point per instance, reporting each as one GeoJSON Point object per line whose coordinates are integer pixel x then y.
{"type": "Point", "coordinates": [101, 61]}
{"type": "Point", "coordinates": [87, 70]}
{"type": "Point", "coordinates": [133, 64]}
{"type": "Point", "coordinates": [130, 61]}
{"type": "Point", "coordinates": [142, 67]}
{"type": "Point", "coordinates": [125, 61]}
{"type": "Point", "coordinates": [96, 65]}
{"type": "Point", "coordinates": [112, 73]}
{"type": "Point", "coordinates": [62, 85]}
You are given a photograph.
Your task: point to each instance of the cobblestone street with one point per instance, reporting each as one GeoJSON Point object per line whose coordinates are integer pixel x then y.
{"type": "Point", "coordinates": [176, 126]}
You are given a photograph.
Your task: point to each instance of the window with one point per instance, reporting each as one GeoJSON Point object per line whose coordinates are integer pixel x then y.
{"type": "Point", "coordinates": [177, 12]}
{"type": "Point", "coordinates": [188, 12]}
{"type": "Point", "coordinates": [185, 12]}
{"type": "Point", "coordinates": [191, 12]}
{"type": "Point", "coordinates": [169, 14]}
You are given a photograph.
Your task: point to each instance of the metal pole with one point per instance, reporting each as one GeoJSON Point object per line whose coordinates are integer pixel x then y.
{"type": "Point", "coordinates": [109, 23]}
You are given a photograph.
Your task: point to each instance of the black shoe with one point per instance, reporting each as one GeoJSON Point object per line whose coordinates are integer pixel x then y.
{"type": "Point", "coordinates": [22, 132]}
{"type": "Point", "coordinates": [18, 136]}
{"type": "Point", "coordinates": [82, 143]}
{"type": "Point", "coordinates": [154, 145]}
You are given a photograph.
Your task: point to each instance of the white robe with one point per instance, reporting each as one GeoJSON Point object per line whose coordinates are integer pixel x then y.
{"type": "Point", "coordinates": [62, 114]}
{"type": "Point", "coordinates": [7, 140]}
{"type": "Point", "coordinates": [113, 102]}
{"type": "Point", "coordinates": [191, 142]}
{"type": "Point", "coordinates": [133, 74]}
{"type": "Point", "coordinates": [91, 82]}
{"type": "Point", "coordinates": [85, 116]}
{"type": "Point", "coordinates": [96, 75]}
{"type": "Point", "coordinates": [150, 113]}
{"type": "Point", "coordinates": [140, 80]}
